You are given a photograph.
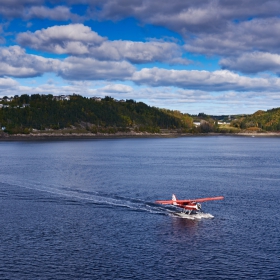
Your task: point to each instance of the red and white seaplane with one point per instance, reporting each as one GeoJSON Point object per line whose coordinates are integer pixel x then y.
{"type": "Point", "coordinates": [189, 205]}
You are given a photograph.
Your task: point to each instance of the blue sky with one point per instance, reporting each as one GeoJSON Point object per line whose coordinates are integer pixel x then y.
{"type": "Point", "coordinates": [211, 56]}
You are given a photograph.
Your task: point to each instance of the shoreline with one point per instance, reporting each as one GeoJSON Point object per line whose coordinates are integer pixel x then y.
{"type": "Point", "coordinates": [90, 136]}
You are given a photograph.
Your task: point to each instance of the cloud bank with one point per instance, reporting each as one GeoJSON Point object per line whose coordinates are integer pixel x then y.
{"type": "Point", "coordinates": [221, 80]}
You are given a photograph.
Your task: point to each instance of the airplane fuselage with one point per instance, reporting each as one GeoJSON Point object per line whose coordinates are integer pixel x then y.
{"type": "Point", "coordinates": [193, 206]}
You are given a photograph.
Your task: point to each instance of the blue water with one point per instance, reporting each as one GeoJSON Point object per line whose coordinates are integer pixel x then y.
{"type": "Point", "coordinates": [85, 209]}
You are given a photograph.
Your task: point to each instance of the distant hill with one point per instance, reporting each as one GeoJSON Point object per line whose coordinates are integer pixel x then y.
{"type": "Point", "coordinates": [261, 120]}
{"type": "Point", "coordinates": [25, 113]}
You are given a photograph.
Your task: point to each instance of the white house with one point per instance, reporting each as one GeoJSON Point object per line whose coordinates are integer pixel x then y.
{"type": "Point", "coordinates": [96, 98]}
{"type": "Point", "coordinates": [62, 97]}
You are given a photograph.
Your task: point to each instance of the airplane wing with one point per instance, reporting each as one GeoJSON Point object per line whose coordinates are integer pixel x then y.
{"type": "Point", "coordinates": [208, 199]}
{"type": "Point", "coordinates": [187, 201]}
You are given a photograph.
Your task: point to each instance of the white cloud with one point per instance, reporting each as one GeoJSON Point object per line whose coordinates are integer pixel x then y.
{"type": "Point", "coordinates": [255, 35]}
{"type": "Point", "coordinates": [66, 39]}
{"type": "Point", "coordinates": [253, 62]}
{"type": "Point", "coordinates": [16, 63]}
{"type": "Point", "coordinates": [139, 52]}
{"type": "Point", "coordinates": [59, 13]}
{"type": "Point", "coordinates": [74, 68]}
{"type": "Point", "coordinates": [7, 83]}
{"type": "Point", "coordinates": [220, 80]}
{"type": "Point", "coordinates": [117, 88]}
{"type": "Point", "coordinates": [250, 46]}
{"type": "Point", "coordinates": [28, 9]}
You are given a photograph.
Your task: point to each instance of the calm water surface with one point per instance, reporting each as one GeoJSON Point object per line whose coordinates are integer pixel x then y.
{"type": "Point", "coordinates": [84, 209]}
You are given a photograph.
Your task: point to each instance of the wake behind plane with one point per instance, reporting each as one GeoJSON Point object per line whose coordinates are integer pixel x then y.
{"type": "Point", "coordinates": [189, 205]}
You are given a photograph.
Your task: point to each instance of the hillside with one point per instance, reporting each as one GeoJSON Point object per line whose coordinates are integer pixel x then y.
{"type": "Point", "coordinates": [259, 121]}
{"type": "Point", "coordinates": [23, 114]}
{"type": "Point", "coordinates": [42, 113]}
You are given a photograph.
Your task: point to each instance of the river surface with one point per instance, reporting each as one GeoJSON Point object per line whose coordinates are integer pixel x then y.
{"type": "Point", "coordinates": [84, 209]}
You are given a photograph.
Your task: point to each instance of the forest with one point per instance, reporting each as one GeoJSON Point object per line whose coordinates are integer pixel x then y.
{"type": "Point", "coordinates": [259, 121]}
{"type": "Point", "coordinates": [23, 114]}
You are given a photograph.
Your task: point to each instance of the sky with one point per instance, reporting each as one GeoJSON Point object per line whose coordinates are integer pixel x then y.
{"type": "Point", "coordinates": [218, 57]}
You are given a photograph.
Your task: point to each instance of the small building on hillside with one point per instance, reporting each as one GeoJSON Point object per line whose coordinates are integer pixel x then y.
{"type": "Point", "coordinates": [95, 98]}
{"type": "Point", "coordinates": [61, 97]}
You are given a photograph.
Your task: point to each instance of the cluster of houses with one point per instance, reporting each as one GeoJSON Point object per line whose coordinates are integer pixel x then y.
{"type": "Point", "coordinates": [7, 106]}
{"type": "Point", "coordinates": [98, 99]}
{"type": "Point", "coordinates": [95, 98]}
{"type": "Point", "coordinates": [62, 97]}
{"type": "Point", "coordinates": [6, 99]}
{"type": "Point", "coordinates": [57, 98]}
{"type": "Point", "coordinates": [10, 99]}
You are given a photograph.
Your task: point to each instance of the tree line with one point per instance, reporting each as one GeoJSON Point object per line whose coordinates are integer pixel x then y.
{"type": "Point", "coordinates": [260, 121]}
{"type": "Point", "coordinates": [40, 112]}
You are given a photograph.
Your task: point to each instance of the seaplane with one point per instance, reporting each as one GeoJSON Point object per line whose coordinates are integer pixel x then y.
{"type": "Point", "coordinates": [190, 206]}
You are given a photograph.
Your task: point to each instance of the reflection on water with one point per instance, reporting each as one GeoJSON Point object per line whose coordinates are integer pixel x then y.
{"type": "Point", "coordinates": [186, 226]}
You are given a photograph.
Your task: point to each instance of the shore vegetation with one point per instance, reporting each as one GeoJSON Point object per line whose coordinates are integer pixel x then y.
{"type": "Point", "coordinates": [73, 114]}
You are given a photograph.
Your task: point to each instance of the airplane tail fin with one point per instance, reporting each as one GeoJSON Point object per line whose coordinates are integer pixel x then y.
{"type": "Point", "coordinates": [174, 199]}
